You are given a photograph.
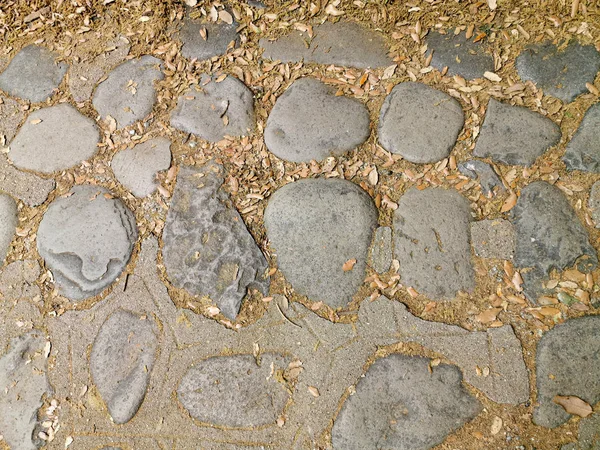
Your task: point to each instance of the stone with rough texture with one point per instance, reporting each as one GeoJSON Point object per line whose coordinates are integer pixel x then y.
{"type": "Point", "coordinates": [17, 280]}
{"type": "Point", "coordinates": [8, 224]}
{"type": "Point", "coordinates": [431, 229]}
{"type": "Point", "coordinates": [33, 74]}
{"type": "Point", "coordinates": [218, 38]}
{"type": "Point", "coordinates": [419, 122]}
{"type": "Point", "coordinates": [309, 122]}
{"type": "Point", "coordinates": [136, 168]}
{"type": "Point", "coordinates": [380, 255]}
{"type": "Point", "coordinates": [121, 361]}
{"type": "Point", "coordinates": [594, 203]}
{"type": "Point", "coordinates": [235, 391]}
{"type": "Point", "coordinates": [588, 437]}
{"type": "Point", "coordinates": [207, 249]}
{"type": "Point", "coordinates": [583, 151]}
{"type": "Point", "coordinates": [489, 180]}
{"type": "Point", "coordinates": [548, 235]}
{"type": "Point", "coordinates": [570, 352]}
{"type": "Point", "coordinates": [27, 187]}
{"type": "Point", "coordinates": [515, 134]}
{"type": "Point", "coordinates": [342, 44]}
{"type": "Point", "coordinates": [561, 72]}
{"type": "Point", "coordinates": [493, 238]}
{"type": "Point", "coordinates": [54, 139]}
{"type": "Point", "coordinates": [315, 226]}
{"type": "Point", "coordinates": [128, 94]}
{"type": "Point", "coordinates": [215, 110]}
{"type": "Point", "coordinates": [462, 56]}
{"type": "Point", "coordinates": [403, 404]}
{"type": "Point", "coordinates": [86, 240]}
{"type": "Point", "coordinates": [11, 116]}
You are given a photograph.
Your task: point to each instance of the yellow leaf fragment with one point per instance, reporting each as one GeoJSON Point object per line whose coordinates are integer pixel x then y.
{"type": "Point", "coordinates": [573, 405]}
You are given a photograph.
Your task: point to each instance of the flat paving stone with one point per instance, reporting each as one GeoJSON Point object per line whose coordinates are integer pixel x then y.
{"type": "Point", "coordinates": [548, 235]}
{"type": "Point", "coordinates": [431, 229]}
{"type": "Point", "coordinates": [11, 116]}
{"type": "Point", "coordinates": [560, 71]}
{"type": "Point", "coordinates": [315, 227]}
{"type": "Point", "coordinates": [129, 94]}
{"type": "Point", "coordinates": [27, 187]}
{"type": "Point", "coordinates": [309, 121]}
{"type": "Point", "coordinates": [588, 437]}
{"type": "Point", "coordinates": [583, 151]}
{"type": "Point", "coordinates": [489, 180]}
{"type": "Point", "coordinates": [419, 123]}
{"type": "Point", "coordinates": [493, 238]}
{"type": "Point", "coordinates": [215, 110]}
{"type": "Point", "coordinates": [8, 224]}
{"type": "Point", "coordinates": [594, 203]}
{"type": "Point", "coordinates": [136, 168]}
{"type": "Point", "coordinates": [462, 56]}
{"type": "Point", "coordinates": [342, 44]}
{"type": "Point", "coordinates": [402, 403]}
{"type": "Point", "coordinates": [33, 74]}
{"type": "Point", "coordinates": [207, 249]}
{"type": "Point", "coordinates": [54, 139]}
{"type": "Point", "coordinates": [568, 363]}
{"type": "Point", "coordinates": [86, 240]}
{"type": "Point", "coordinates": [218, 38]}
{"type": "Point", "coordinates": [121, 362]}
{"type": "Point", "coordinates": [381, 252]}
{"type": "Point", "coordinates": [17, 280]}
{"type": "Point", "coordinates": [514, 134]}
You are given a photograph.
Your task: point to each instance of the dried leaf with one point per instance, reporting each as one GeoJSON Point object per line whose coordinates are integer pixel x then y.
{"type": "Point", "coordinates": [488, 315]}
{"type": "Point", "coordinates": [510, 202]}
{"type": "Point", "coordinates": [313, 391]}
{"type": "Point", "coordinates": [492, 76]}
{"type": "Point", "coordinates": [573, 405]}
{"type": "Point", "coordinates": [225, 17]}
{"type": "Point", "coordinates": [203, 33]}
{"type": "Point", "coordinates": [332, 11]}
{"type": "Point", "coordinates": [35, 121]}
{"type": "Point", "coordinates": [349, 265]}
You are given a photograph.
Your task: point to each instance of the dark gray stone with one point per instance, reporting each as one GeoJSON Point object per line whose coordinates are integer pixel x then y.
{"type": "Point", "coordinates": [207, 249]}
{"type": "Point", "coordinates": [515, 134]}
{"type": "Point", "coordinates": [403, 404]}
{"type": "Point", "coordinates": [419, 122]}
{"type": "Point", "coordinates": [218, 37]}
{"type": "Point", "coordinates": [8, 224]}
{"type": "Point", "coordinates": [561, 73]}
{"type": "Point", "coordinates": [33, 74]}
{"type": "Point", "coordinates": [594, 203]}
{"type": "Point", "coordinates": [488, 178]}
{"type": "Point", "coordinates": [121, 361]}
{"type": "Point", "coordinates": [235, 391]}
{"type": "Point", "coordinates": [462, 57]}
{"type": "Point", "coordinates": [215, 110]}
{"type": "Point", "coordinates": [62, 138]}
{"type": "Point", "coordinates": [494, 238]}
{"type": "Point", "coordinates": [431, 229]}
{"type": "Point", "coordinates": [315, 226]}
{"type": "Point", "coordinates": [583, 151]}
{"type": "Point", "coordinates": [380, 255]}
{"type": "Point", "coordinates": [86, 239]}
{"type": "Point", "coordinates": [310, 122]}
{"type": "Point", "coordinates": [570, 352]}
{"type": "Point", "coordinates": [342, 44]}
{"type": "Point", "coordinates": [549, 235]}
{"type": "Point", "coordinates": [27, 187]}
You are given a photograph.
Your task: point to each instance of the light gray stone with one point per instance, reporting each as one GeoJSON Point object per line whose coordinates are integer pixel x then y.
{"type": "Point", "coordinates": [136, 168]}
{"type": "Point", "coordinates": [17, 280]}
{"type": "Point", "coordinates": [560, 71]}
{"type": "Point", "coordinates": [54, 139]}
{"type": "Point", "coordinates": [493, 238]}
{"type": "Point", "coordinates": [128, 94]}
{"type": "Point", "coordinates": [589, 435]}
{"type": "Point", "coordinates": [121, 362]}
{"type": "Point", "coordinates": [419, 122]}
{"type": "Point", "coordinates": [342, 44]}
{"type": "Point", "coordinates": [594, 203]}
{"type": "Point", "coordinates": [27, 187]}
{"type": "Point", "coordinates": [570, 352]}
{"type": "Point", "coordinates": [431, 229]}
{"type": "Point", "coordinates": [380, 255]}
{"type": "Point", "coordinates": [218, 38]}
{"type": "Point", "coordinates": [33, 74]}
{"type": "Point", "coordinates": [403, 404]}
{"type": "Point", "coordinates": [11, 116]}
{"type": "Point", "coordinates": [514, 134]}
{"type": "Point", "coordinates": [548, 235]}
{"type": "Point", "coordinates": [207, 249]}
{"type": "Point", "coordinates": [462, 56]}
{"type": "Point", "coordinates": [309, 122]}
{"type": "Point", "coordinates": [8, 224]}
{"type": "Point", "coordinates": [86, 240]}
{"type": "Point", "coordinates": [315, 226]}
{"type": "Point", "coordinates": [207, 108]}
{"type": "Point", "coordinates": [489, 180]}
{"type": "Point", "coordinates": [583, 151]}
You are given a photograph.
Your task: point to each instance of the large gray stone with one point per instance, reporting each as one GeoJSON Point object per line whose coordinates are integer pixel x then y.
{"type": "Point", "coordinates": [515, 134]}
{"type": "Point", "coordinates": [559, 71]}
{"type": "Point", "coordinates": [567, 363]}
{"type": "Point", "coordinates": [489, 180]}
{"type": "Point", "coordinates": [86, 239]}
{"type": "Point", "coordinates": [54, 139]}
{"type": "Point", "coordinates": [403, 404]}
{"type": "Point", "coordinates": [310, 122]}
{"type": "Point", "coordinates": [493, 238]}
{"type": "Point", "coordinates": [548, 235]}
{"type": "Point", "coordinates": [136, 168]}
{"type": "Point", "coordinates": [583, 151]}
{"type": "Point", "coordinates": [315, 226]}
{"type": "Point", "coordinates": [27, 187]}
{"type": "Point", "coordinates": [33, 74]}
{"type": "Point", "coordinates": [431, 229]}
{"type": "Point", "coordinates": [8, 224]}
{"type": "Point", "coordinates": [462, 56]}
{"type": "Point", "coordinates": [342, 44]}
{"type": "Point", "coordinates": [380, 254]}
{"type": "Point", "coordinates": [121, 361]}
{"type": "Point", "coordinates": [128, 94]}
{"type": "Point", "coordinates": [207, 249]}
{"type": "Point", "coordinates": [594, 203]}
{"type": "Point", "coordinates": [215, 110]}
{"type": "Point", "coordinates": [419, 122]}
{"type": "Point", "coordinates": [11, 116]}
{"type": "Point", "coordinates": [218, 38]}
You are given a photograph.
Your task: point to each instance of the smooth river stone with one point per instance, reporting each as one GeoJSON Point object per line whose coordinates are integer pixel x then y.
{"type": "Point", "coordinates": [583, 151]}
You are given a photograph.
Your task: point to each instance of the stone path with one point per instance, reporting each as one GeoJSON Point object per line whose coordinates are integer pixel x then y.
{"type": "Point", "coordinates": [258, 226]}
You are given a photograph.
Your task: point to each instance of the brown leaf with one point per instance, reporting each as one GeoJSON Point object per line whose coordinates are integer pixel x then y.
{"type": "Point", "coordinates": [313, 391]}
{"type": "Point", "coordinates": [573, 405]}
{"type": "Point", "coordinates": [349, 265]}
{"type": "Point", "coordinates": [225, 17]}
{"type": "Point", "coordinates": [510, 202]}
{"type": "Point", "coordinates": [488, 315]}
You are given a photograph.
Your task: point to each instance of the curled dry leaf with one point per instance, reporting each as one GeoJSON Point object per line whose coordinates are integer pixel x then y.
{"type": "Point", "coordinates": [573, 405]}
{"type": "Point", "coordinates": [349, 265]}
{"type": "Point", "coordinates": [333, 11]}
{"type": "Point", "coordinates": [492, 76]}
{"type": "Point", "coordinates": [313, 391]}
{"type": "Point", "coordinates": [488, 315]}
{"type": "Point", "coordinates": [225, 17]}
{"type": "Point", "coordinates": [510, 202]}
{"type": "Point", "coordinates": [493, 4]}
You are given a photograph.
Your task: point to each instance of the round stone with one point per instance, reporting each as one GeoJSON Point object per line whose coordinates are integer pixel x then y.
{"type": "Point", "coordinates": [218, 37]}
